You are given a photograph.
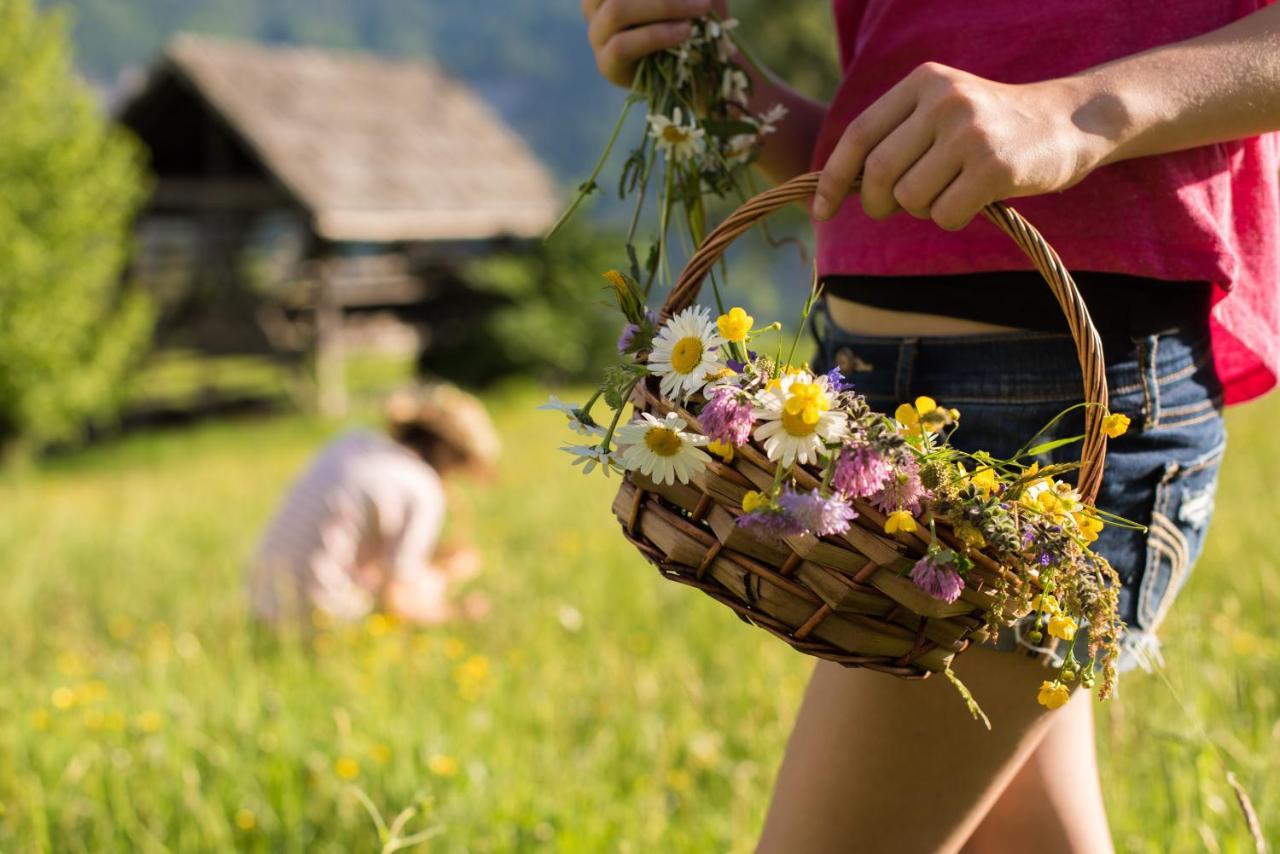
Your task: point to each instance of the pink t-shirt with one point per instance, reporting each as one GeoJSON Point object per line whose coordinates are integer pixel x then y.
{"type": "Point", "coordinates": [1205, 214]}
{"type": "Point", "coordinates": [366, 511]}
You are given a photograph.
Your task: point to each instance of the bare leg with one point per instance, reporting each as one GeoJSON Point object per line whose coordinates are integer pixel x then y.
{"type": "Point", "coordinates": [883, 764]}
{"type": "Point", "coordinates": [1056, 797]}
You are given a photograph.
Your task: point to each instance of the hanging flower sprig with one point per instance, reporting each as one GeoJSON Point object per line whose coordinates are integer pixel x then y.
{"type": "Point", "coordinates": [699, 137]}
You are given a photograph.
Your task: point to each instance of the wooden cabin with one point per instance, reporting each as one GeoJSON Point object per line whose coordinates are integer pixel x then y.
{"type": "Point", "coordinates": [309, 202]}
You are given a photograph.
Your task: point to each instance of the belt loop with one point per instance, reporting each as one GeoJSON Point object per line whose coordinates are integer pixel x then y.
{"type": "Point", "coordinates": [1148, 357]}
{"type": "Point", "coordinates": [907, 348]}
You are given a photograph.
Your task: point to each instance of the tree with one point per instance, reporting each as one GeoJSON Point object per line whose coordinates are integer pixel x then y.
{"type": "Point", "coordinates": [70, 184]}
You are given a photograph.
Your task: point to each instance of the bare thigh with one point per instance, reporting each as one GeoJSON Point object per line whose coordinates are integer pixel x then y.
{"type": "Point", "coordinates": [882, 764]}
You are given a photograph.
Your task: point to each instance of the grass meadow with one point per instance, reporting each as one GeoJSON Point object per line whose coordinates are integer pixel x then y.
{"type": "Point", "coordinates": [598, 708]}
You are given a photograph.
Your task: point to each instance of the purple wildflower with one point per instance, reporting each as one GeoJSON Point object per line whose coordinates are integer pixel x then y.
{"type": "Point", "coordinates": [861, 471]}
{"type": "Point", "coordinates": [819, 515]}
{"type": "Point", "coordinates": [939, 580]}
{"type": "Point", "coordinates": [737, 366]}
{"type": "Point", "coordinates": [627, 337]}
{"type": "Point", "coordinates": [726, 418]}
{"type": "Point", "coordinates": [903, 489]}
{"type": "Point", "coordinates": [771, 521]}
{"type": "Point", "coordinates": [836, 381]}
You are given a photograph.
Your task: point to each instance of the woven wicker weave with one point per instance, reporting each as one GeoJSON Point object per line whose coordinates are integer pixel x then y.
{"type": "Point", "coordinates": [844, 598]}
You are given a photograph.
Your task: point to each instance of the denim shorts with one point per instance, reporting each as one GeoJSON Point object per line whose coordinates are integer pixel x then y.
{"type": "Point", "coordinates": [1162, 473]}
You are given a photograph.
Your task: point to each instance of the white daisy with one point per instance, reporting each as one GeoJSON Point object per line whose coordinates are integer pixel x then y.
{"type": "Point", "coordinates": [734, 86]}
{"type": "Point", "coordinates": [678, 141]}
{"type": "Point", "coordinates": [718, 33]}
{"type": "Point", "coordinates": [579, 421]}
{"type": "Point", "coordinates": [768, 120]}
{"type": "Point", "coordinates": [590, 456]}
{"type": "Point", "coordinates": [740, 148]}
{"type": "Point", "coordinates": [660, 449]}
{"type": "Point", "coordinates": [685, 351]}
{"type": "Point", "coordinates": [796, 418]}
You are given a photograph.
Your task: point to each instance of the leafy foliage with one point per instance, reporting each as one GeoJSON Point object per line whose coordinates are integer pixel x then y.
{"type": "Point", "coordinates": [69, 186]}
{"type": "Point", "coordinates": [551, 318]}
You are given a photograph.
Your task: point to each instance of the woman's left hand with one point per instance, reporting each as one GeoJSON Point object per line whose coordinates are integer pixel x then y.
{"type": "Point", "coordinates": [943, 143]}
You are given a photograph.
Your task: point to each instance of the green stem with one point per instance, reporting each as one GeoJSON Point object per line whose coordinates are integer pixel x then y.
{"type": "Point", "coordinates": [617, 415]}
{"type": "Point", "coordinates": [589, 185]}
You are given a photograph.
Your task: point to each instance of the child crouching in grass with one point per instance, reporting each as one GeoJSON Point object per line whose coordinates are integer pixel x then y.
{"type": "Point", "coordinates": [359, 531]}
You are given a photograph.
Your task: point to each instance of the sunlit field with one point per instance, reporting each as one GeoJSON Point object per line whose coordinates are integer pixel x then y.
{"type": "Point", "coordinates": [597, 708]}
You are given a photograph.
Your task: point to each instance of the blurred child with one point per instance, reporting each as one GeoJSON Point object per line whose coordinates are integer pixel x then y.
{"type": "Point", "coordinates": [360, 530]}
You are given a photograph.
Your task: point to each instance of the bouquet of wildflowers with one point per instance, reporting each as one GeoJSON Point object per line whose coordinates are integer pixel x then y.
{"type": "Point", "coordinates": [698, 139]}
{"type": "Point", "coordinates": [1028, 529]}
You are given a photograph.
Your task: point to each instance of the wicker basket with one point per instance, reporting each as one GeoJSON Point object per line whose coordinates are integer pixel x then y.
{"type": "Point", "coordinates": [844, 598]}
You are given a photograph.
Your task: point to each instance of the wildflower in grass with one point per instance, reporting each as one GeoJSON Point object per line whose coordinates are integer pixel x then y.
{"type": "Point", "coordinates": [454, 648]}
{"type": "Point", "coordinates": [39, 719]}
{"type": "Point", "coordinates": [727, 417]}
{"type": "Point", "coordinates": [62, 698]}
{"type": "Point", "coordinates": [900, 521]}
{"type": "Point", "coordinates": [442, 765]}
{"type": "Point", "coordinates": [797, 418]}
{"type": "Point", "coordinates": [346, 768]}
{"type": "Point", "coordinates": [1063, 626]}
{"type": "Point", "coordinates": [378, 624]}
{"type": "Point", "coordinates": [1115, 425]}
{"type": "Point", "coordinates": [819, 515]}
{"type": "Point", "coordinates": [902, 489]}
{"type": "Point", "coordinates": [861, 471]}
{"type": "Point", "coordinates": [937, 578]}
{"type": "Point", "coordinates": [1053, 694]}
{"type": "Point", "coordinates": [735, 325]}
{"type": "Point", "coordinates": [380, 753]}
{"type": "Point", "coordinates": [245, 819]}
{"type": "Point", "coordinates": [590, 456]}
{"type": "Point", "coordinates": [685, 351]}
{"type": "Point", "coordinates": [678, 141]}
{"type": "Point", "coordinates": [661, 450]}
{"type": "Point", "coordinates": [150, 722]}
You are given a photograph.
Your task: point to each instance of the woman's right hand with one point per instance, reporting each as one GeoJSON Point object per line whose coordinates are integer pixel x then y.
{"type": "Point", "coordinates": [622, 32]}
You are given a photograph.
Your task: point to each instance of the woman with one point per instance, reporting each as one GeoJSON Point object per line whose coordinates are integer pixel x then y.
{"type": "Point", "coordinates": [360, 529]}
{"type": "Point", "coordinates": [1139, 135]}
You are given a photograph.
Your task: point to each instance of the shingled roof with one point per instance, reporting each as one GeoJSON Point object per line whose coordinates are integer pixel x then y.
{"type": "Point", "coordinates": [375, 149]}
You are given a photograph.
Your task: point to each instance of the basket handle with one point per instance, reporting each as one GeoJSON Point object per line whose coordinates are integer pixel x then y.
{"type": "Point", "coordinates": [1042, 255]}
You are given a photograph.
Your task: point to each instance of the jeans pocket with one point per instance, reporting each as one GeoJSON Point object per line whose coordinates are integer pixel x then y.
{"type": "Point", "coordinates": [1180, 517]}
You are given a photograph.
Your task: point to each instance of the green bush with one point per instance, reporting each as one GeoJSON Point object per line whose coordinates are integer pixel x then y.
{"type": "Point", "coordinates": [550, 313]}
{"type": "Point", "coordinates": [70, 184]}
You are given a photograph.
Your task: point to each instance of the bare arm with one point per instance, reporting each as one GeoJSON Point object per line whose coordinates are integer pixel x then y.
{"type": "Point", "coordinates": [943, 143]}
{"type": "Point", "coordinates": [623, 31]}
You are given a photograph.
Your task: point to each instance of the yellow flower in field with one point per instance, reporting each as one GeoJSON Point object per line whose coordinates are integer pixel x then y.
{"type": "Point", "coordinates": [378, 624]}
{"type": "Point", "coordinates": [1090, 526]}
{"type": "Point", "coordinates": [1115, 425]}
{"type": "Point", "coordinates": [753, 501]}
{"type": "Point", "coordinates": [40, 720]}
{"type": "Point", "coordinates": [723, 450]}
{"type": "Point", "coordinates": [380, 753]}
{"type": "Point", "coordinates": [149, 722]}
{"type": "Point", "coordinates": [1063, 626]}
{"type": "Point", "coordinates": [900, 520]}
{"type": "Point", "coordinates": [1046, 603]}
{"type": "Point", "coordinates": [62, 698]}
{"type": "Point", "coordinates": [454, 649]}
{"type": "Point", "coordinates": [1053, 694]}
{"type": "Point", "coordinates": [346, 768]}
{"type": "Point", "coordinates": [442, 765]}
{"type": "Point", "coordinates": [735, 325]}
{"type": "Point", "coordinates": [245, 819]}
